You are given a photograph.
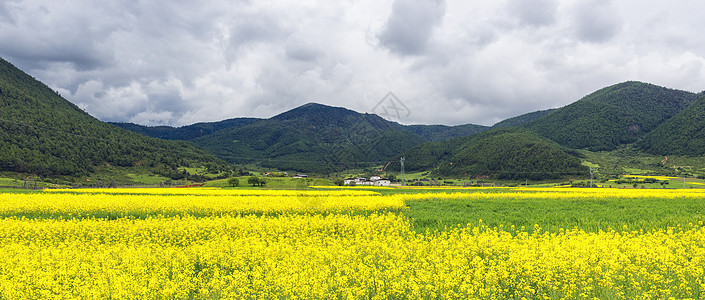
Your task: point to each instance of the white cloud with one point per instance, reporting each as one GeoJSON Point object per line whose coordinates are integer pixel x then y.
{"type": "Point", "coordinates": [455, 62]}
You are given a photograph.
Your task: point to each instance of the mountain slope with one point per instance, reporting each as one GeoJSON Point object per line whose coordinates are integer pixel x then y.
{"type": "Point", "coordinates": [313, 138]}
{"type": "Point", "coordinates": [611, 117]}
{"type": "Point", "coordinates": [42, 133]}
{"type": "Point", "coordinates": [186, 133]}
{"type": "Point", "coordinates": [503, 153]}
{"type": "Point", "coordinates": [683, 134]}
{"type": "Point", "coordinates": [523, 119]}
{"type": "Point", "coordinates": [437, 133]}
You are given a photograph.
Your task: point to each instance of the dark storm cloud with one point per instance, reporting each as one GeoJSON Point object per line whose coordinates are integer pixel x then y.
{"type": "Point", "coordinates": [450, 62]}
{"type": "Point", "coordinates": [411, 24]}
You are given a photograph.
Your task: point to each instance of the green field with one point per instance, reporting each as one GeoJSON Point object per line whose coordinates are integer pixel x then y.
{"type": "Point", "coordinates": [591, 215]}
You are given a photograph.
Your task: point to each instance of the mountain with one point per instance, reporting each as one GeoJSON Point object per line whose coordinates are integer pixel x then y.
{"type": "Point", "coordinates": [310, 138]}
{"type": "Point", "coordinates": [185, 133]}
{"type": "Point", "coordinates": [431, 133]}
{"type": "Point", "coordinates": [502, 153]}
{"type": "Point", "coordinates": [437, 133]}
{"type": "Point", "coordinates": [313, 138]}
{"type": "Point", "coordinates": [611, 117]}
{"type": "Point", "coordinates": [42, 133]}
{"type": "Point", "coordinates": [683, 134]}
{"type": "Point", "coordinates": [523, 119]}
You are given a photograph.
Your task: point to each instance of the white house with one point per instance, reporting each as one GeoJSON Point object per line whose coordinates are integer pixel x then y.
{"type": "Point", "coordinates": [375, 178]}
{"type": "Point", "coordinates": [382, 182]}
{"type": "Point", "coordinates": [349, 181]}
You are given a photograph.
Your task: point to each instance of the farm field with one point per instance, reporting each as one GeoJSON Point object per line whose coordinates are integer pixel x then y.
{"type": "Point", "coordinates": [323, 243]}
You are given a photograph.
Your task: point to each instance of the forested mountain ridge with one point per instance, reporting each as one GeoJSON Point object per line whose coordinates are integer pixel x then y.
{"type": "Point", "coordinates": [309, 138]}
{"type": "Point", "coordinates": [312, 138]}
{"type": "Point", "coordinates": [613, 116]}
{"type": "Point", "coordinates": [41, 133]}
{"type": "Point", "coordinates": [437, 133]}
{"type": "Point", "coordinates": [185, 133]}
{"type": "Point", "coordinates": [523, 119]}
{"type": "Point", "coordinates": [431, 133]}
{"type": "Point", "coordinates": [683, 134]}
{"type": "Point", "coordinates": [502, 153]}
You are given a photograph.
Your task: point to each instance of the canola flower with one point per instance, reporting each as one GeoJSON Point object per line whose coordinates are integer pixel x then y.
{"type": "Point", "coordinates": [122, 205]}
{"type": "Point", "coordinates": [559, 193]}
{"type": "Point", "coordinates": [338, 256]}
{"type": "Point", "coordinates": [301, 246]}
{"type": "Point", "coordinates": [205, 191]}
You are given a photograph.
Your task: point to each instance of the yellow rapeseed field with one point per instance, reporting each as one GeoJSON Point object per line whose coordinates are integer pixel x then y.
{"type": "Point", "coordinates": [213, 244]}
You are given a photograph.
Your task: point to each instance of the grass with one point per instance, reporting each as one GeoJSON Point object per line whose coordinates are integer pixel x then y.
{"type": "Point", "coordinates": [591, 215]}
{"type": "Point", "coordinates": [202, 171]}
{"type": "Point", "coordinates": [147, 178]}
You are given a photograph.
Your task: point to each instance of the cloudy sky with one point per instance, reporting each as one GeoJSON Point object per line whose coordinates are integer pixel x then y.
{"type": "Point", "coordinates": [177, 62]}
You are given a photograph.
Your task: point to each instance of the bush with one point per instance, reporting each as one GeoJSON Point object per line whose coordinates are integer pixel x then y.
{"type": "Point", "coordinates": [254, 180]}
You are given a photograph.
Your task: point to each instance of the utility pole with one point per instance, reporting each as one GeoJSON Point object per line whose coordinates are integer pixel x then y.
{"type": "Point", "coordinates": [402, 171]}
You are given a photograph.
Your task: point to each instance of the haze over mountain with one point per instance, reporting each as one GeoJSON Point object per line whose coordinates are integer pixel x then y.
{"type": "Point", "coordinates": [42, 133]}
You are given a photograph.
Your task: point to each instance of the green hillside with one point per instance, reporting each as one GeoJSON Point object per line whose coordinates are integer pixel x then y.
{"type": "Point", "coordinates": [502, 153]}
{"type": "Point", "coordinates": [683, 134]}
{"type": "Point", "coordinates": [512, 153]}
{"type": "Point", "coordinates": [613, 116]}
{"type": "Point", "coordinates": [41, 133]}
{"type": "Point", "coordinates": [437, 133]}
{"type": "Point", "coordinates": [523, 119]}
{"type": "Point", "coordinates": [186, 133]}
{"type": "Point", "coordinates": [428, 156]}
{"type": "Point", "coordinates": [313, 138]}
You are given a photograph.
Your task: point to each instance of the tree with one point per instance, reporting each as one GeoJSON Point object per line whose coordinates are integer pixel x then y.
{"type": "Point", "coordinates": [339, 182]}
{"type": "Point", "coordinates": [233, 182]}
{"type": "Point", "coordinates": [254, 180]}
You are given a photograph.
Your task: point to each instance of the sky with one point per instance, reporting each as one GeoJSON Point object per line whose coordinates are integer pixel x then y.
{"type": "Point", "coordinates": [178, 62]}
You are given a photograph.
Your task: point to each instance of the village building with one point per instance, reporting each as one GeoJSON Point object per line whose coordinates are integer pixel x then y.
{"type": "Point", "coordinates": [382, 182]}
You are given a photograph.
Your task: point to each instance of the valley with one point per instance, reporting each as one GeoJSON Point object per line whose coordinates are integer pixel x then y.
{"type": "Point", "coordinates": [630, 128]}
